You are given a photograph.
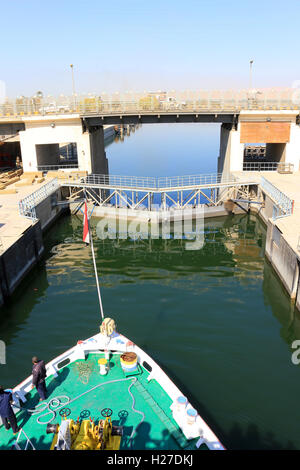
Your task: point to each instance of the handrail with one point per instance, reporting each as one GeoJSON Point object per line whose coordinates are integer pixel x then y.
{"type": "Point", "coordinates": [154, 102]}
{"type": "Point", "coordinates": [69, 166]}
{"type": "Point", "coordinates": [268, 166]}
{"type": "Point", "coordinates": [283, 204]}
{"type": "Point", "coordinates": [193, 180]}
{"type": "Point", "coordinates": [28, 204]}
{"type": "Point", "coordinates": [152, 183]}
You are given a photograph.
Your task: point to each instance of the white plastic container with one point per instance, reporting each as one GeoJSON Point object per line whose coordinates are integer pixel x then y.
{"type": "Point", "coordinates": [181, 403]}
{"type": "Point", "coordinates": [191, 415]}
{"type": "Point", "coordinates": [103, 366]}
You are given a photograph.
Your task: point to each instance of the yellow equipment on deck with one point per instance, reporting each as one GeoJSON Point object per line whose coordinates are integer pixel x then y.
{"type": "Point", "coordinates": [91, 436]}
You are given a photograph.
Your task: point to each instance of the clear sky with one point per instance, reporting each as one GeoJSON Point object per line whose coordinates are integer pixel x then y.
{"type": "Point", "coordinates": [147, 45]}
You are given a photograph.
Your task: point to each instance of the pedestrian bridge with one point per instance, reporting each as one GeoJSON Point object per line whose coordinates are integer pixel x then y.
{"type": "Point", "coordinates": [178, 192]}
{"type": "Point", "coordinates": [156, 185]}
{"type": "Point", "coordinates": [133, 192]}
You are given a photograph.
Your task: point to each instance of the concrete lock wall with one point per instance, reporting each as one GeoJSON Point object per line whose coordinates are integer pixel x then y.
{"type": "Point", "coordinates": [268, 209]}
{"type": "Point", "coordinates": [48, 210]}
{"type": "Point", "coordinates": [22, 256]}
{"type": "Point", "coordinates": [282, 258]}
{"type": "Point", "coordinates": [18, 259]}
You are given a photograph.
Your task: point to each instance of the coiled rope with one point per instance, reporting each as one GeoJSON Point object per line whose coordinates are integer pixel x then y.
{"type": "Point", "coordinates": [55, 404]}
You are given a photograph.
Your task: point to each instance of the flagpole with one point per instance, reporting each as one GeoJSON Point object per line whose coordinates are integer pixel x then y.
{"type": "Point", "coordinates": [96, 275]}
{"type": "Point", "coordinates": [95, 266]}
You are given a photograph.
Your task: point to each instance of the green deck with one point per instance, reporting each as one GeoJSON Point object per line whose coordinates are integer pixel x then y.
{"type": "Point", "coordinates": [158, 431]}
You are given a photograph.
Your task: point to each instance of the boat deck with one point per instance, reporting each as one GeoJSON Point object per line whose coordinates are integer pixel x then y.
{"type": "Point", "coordinates": [89, 393]}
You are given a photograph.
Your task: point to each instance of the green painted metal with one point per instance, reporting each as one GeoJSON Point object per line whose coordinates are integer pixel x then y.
{"type": "Point", "coordinates": [174, 431]}
{"type": "Point", "coordinates": [157, 431]}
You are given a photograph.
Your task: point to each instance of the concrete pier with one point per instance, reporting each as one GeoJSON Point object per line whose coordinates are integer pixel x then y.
{"type": "Point", "coordinates": [283, 234]}
{"type": "Point", "coordinates": [279, 130]}
{"type": "Point", "coordinates": [42, 135]}
{"type": "Point", "coordinates": [21, 239]}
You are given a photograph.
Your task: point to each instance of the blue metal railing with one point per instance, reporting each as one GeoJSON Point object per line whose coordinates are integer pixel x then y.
{"type": "Point", "coordinates": [28, 204]}
{"type": "Point", "coordinates": [193, 180]}
{"type": "Point", "coordinates": [119, 181]}
{"type": "Point", "coordinates": [152, 183]}
{"type": "Point", "coordinates": [283, 204]}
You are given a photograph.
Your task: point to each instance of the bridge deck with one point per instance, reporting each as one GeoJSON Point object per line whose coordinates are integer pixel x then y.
{"type": "Point", "coordinates": [141, 189]}
{"type": "Point", "coordinates": [158, 185]}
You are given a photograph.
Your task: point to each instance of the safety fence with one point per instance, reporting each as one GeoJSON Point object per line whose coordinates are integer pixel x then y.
{"type": "Point", "coordinates": [153, 183]}
{"type": "Point", "coordinates": [160, 101]}
{"type": "Point", "coordinates": [283, 206]}
{"type": "Point", "coordinates": [70, 165]}
{"type": "Point", "coordinates": [268, 166]}
{"type": "Point", "coordinates": [27, 205]}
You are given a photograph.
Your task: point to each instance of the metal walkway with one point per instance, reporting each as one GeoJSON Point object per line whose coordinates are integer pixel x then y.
{"type": "Point", "coordinates": [181, 191]}
{"type": "Point", "coordinates": [133, 191]}
{"type": "Point", "coordinates": [157, 185]}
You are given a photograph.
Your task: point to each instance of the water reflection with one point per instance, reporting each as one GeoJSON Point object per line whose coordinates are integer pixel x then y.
{"type": "Point", "coordinates": [214, 318]}
{"type": "Point", "coordinates": [282, 306]}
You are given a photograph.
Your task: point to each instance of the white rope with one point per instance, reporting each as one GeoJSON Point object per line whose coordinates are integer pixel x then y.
{"type": "Point", "coordinates": [56, 403]}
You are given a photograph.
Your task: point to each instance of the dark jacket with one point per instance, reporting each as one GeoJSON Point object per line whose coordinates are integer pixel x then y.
{"type": "Point", "coordinates": [38, 373]}
{"type": "Point", "coordinates": [5, 407]}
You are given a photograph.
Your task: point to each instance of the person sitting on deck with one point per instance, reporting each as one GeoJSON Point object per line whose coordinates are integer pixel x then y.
{"type": "Point", "coordinates": [38, 377]}
{"type": "Point", "coordinates": [6, 412]}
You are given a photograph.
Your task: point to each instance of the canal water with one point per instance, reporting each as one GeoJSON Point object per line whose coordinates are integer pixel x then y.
{"type": "Point", "coordinates": [216, 319]}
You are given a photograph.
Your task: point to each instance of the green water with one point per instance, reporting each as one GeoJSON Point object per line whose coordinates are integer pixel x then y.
{"type": "Point", "coordinates": [216, 319]}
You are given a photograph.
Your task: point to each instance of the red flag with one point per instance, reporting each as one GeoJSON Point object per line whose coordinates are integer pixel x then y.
{"type": "Point", "coordinates": [86, 232]}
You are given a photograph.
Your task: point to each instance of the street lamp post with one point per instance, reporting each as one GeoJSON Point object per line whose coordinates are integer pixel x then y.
{"type": "Point", "coordinates": [250, 75]}
{"type": "Point", "coordinates": [73, 85]}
